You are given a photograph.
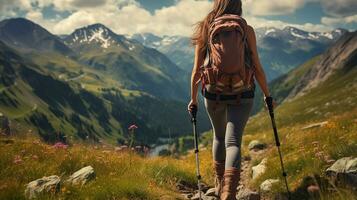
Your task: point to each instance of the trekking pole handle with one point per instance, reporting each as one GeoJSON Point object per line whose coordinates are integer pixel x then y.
{"type": "Point", "coordinates": [269, 102]}
{"type": "Point", "coordinates": [193, 111]}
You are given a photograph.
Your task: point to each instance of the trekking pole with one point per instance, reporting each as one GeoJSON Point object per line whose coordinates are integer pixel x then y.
{"type": "Point", "coordinates": [269, 102]}
{"type": "Point", "coordinates": [193, 112]}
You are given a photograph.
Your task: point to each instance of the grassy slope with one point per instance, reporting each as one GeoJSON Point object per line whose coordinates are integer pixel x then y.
{"type": "Point", "coordinates": [307, 152]}
{"type": "Point", "coordinates": [281, 87]}
{"type": "Point", "coordinates": [119, 175]}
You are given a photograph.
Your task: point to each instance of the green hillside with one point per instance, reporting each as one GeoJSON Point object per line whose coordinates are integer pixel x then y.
{"type": "Point", "coordinates": [128, 62]}
{"type": "Point", "coordinates": [50, 99]}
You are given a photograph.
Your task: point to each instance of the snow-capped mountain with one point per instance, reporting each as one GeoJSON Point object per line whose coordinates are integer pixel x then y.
{"type": "Point", "coordinates": [98, 35]}
{"type": "Point", "coordinates": [136, 66]}
{"type": "Point", "coordinates": [293, 33]}
{"type": "Point", "coordinates": [280, 49]}
{"type": "Point", "coordinates": [177, 48]}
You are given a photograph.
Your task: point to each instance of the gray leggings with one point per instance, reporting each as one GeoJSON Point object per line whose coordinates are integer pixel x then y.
{"type": "Point", "coordinates": [228, 120]}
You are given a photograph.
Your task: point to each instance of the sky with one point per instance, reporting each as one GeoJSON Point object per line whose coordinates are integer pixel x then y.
{"type": "Point", "coordinates": [178, 17]}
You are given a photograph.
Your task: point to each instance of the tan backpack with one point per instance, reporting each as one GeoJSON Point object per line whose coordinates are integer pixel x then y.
{"type": "Point", "coordinates": [229, 68]}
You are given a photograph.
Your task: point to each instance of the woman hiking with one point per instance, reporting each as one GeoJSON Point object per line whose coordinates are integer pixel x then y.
{"type": "Point", "coordinates": [228, 44]}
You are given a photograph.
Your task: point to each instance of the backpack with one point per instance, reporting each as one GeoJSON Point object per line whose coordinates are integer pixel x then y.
{"type": "Point", "coordinates": [229, 69]}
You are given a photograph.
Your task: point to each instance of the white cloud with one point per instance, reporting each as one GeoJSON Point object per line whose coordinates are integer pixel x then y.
{"type": "Point", "coordinates": [273, 7]}
{"type": "Point", "coordinates": [258, 22]}
{"type": "Point", "coordinates": [128, 16]}
{"type": "Point", "coordinates": [338, 21]}
{"type": "Point", "coordinates": [131, 18]}
{"type": "Point", "coordinates": [340, 8]}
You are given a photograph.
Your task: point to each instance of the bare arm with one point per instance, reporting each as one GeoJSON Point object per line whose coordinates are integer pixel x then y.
{"type": "Point", "coordinates": [196, 75]}
{"type": "Point", "coordinates": [259, 72]}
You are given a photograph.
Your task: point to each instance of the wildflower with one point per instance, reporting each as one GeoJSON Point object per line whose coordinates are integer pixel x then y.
{"type": "Point", "coordinates": [17, 159]}
{"type": "Point", "coordinates": [60, 145]}
{"type": "Point", "coordinates": [132, 127]}
{"type": "Point", "coordinates": [36, 142]}
{"type": "Point", "coordinates": [315, 143]}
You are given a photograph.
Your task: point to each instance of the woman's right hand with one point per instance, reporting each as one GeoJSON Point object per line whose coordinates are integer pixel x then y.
{"type": "Point", "coordinates": [191, 104]}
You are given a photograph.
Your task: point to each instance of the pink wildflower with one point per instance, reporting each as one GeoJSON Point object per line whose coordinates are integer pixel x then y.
{"type": "Point", "coordinates": [60, 145]}
{"type": "Point", "coordinates": [17, 159]}
{"type": "Point", "coordinates": [132, 127]}
{"type": "Point", "coordinates": [36, 142]}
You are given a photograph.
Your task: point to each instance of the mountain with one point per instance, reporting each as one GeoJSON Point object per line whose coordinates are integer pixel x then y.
{"type": "Point", "coordinates": [280, 50]}
{"type": "Point", "coordinates": [49, 104]}
{"type": "Point", "coordinates": [290, 84]}
{"type": "Point", "coordinates": [177, 48]}
{"type": "Point", "coordinates": [24, 35]}
{"type": "Point", "coordinates": [342, 56]}
{"type": "Point", "coordinates": [135, 66]}
{"type": "Point", "coordinates": [97, 92]}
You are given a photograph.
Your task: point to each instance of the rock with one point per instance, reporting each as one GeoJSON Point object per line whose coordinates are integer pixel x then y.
{"type": "Point", "coordinates": [187, 195]}
{"type": "Point", "coordinates": [313, 190]}
{"type": "Point", "coordinates": [256, 145]}
{"type": "Point", "coordinates": [259, 169]}
{"type": "Point", "coordinates": [247, 194]}
{"type": "Point", "coordinates": [320, 124]}
{"type": "Point", "coordinates": [267, 185]}
{"type": "Point", "coordinates": [203, 197]}
{"type": "Point", "coordinates": [204, 187]}
{"type": "Point", "coordinates": [45, 184]}
{"type": "Point", "coordinates": [211, 192]}
{"type": "Point", "coordinates": [82, 176]}
{"type": "Point", "coordinates": [344, 171]}
{"type": "Point", "coordinates": [196, 196]}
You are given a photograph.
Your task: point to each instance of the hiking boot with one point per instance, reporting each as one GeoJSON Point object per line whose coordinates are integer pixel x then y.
{"type": "Point", "coordinates": [230, 183]}
{"type": "Point", "coordinates": [219, 172]}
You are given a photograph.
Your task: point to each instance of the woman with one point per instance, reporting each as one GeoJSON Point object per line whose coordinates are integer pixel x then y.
{"type": "Point", "coordinates": [228, 118]}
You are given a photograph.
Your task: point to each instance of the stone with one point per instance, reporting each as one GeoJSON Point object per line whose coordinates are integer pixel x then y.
{"type": "Point", "coordinates": [196, 196]}
{"type": "Point", "coordinates": [344, 170]}
{"type": "Point", "coordinates": [247, 194]}
{"type": "Point", "coordinates": [313, 190]}
{"type": "Point", "coordinates": [320, 124]}
{"type": "Point", "coordinates": [203, 196]}
{"type": "Point", "coordinates": [256, 145]}
{"type": "Point", "coordinates": [42, 185]}
{"type": "Point", "coordinates": [187, 195]}
{"type": "Point", "coordinates": [267, 185]}
{"type": "Point", "coordinates": [259, 169]}
{"type": "Point", "coordinates": [211, 192]}
{"type": "Point", "coordinates": [82, 176]}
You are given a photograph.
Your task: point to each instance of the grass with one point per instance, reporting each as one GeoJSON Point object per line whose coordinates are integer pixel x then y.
{"type": "Point", "coordinates": [310, 152]}
{"type": "Point", "coordinates": [119, 175]}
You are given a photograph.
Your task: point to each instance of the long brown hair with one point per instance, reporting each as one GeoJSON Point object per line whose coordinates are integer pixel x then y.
{"type": "Point", "coordinates": [220, 7]}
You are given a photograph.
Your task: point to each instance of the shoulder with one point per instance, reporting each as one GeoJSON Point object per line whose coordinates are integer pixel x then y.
{"type": "Point", "coordinates": [250, 31]}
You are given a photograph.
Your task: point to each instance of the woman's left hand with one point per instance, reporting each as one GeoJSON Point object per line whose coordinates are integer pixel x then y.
{"type": "Point", "coordinates": [266, 99]}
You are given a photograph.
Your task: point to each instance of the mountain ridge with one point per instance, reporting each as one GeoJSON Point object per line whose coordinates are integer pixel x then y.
{"type": "Point", "coordinates": [23, 34]}
{"type": "Point", "coordinates": [340, 56]}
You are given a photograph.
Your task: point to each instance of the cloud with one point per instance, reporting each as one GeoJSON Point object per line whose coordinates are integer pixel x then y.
{"type": "Point", "coordinates": [338, 21]}
{"type": "Point", "coordinates": [131, 18]}
{"type": "Point", "coordinates": [273, 7]}
{"type": "Point", "coordinates": [258, 22]}
{"type": "Point", "coordinates": [128, 16]}
{"type": "Point", "coordinates": [340, 8]}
